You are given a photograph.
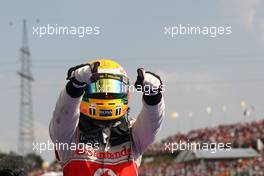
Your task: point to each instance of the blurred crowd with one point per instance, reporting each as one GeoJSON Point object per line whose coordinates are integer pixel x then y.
{"type": "Point", "coordinates": [213, 168]}
{"type": "Point", "coordinates": [240, 135]}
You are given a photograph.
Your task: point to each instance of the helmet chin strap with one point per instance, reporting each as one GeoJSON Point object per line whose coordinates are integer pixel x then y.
{"type": "Point", "coordinates": [87, 124]}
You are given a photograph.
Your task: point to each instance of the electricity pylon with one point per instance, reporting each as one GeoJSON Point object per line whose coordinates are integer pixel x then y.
{"type": "Point", "coordinates": [26, 122]}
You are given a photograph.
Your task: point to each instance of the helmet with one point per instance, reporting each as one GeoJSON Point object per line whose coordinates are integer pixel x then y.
{"type": "Point", "coordinates": [107, 98]}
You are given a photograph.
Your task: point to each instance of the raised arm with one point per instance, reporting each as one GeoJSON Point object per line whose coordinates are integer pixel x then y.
{"type": "Point", "coordinates": [149, 120]}
{"type": "Point", "coordinates": [66, 113]}
{"type": "Point", "coordinates": [147, 125]}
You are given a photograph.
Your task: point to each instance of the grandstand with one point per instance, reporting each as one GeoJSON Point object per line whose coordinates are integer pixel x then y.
{"type": "Point", "coordinates": [158, 161]}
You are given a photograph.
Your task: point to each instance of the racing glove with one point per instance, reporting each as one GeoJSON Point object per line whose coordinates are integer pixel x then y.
{"type": "Point", "coordinates": [151, 86]}
{"type": "Point", "coordinates": [79, 76]}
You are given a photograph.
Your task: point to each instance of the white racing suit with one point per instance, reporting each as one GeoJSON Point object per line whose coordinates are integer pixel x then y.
{"type": "Point", "coordinates": [123, 154]}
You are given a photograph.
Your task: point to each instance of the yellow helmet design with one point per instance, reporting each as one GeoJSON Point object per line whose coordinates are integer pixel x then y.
{"type": "Point", "coordinates": [107, 98]}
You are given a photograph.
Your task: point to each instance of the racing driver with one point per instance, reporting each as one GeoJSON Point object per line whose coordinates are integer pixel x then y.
{"type": "Point", "coordinates": [93, 109]}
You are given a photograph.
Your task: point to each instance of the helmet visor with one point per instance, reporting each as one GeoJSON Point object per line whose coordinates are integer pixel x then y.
{"type": "Point", "coordinates": [107, 86]}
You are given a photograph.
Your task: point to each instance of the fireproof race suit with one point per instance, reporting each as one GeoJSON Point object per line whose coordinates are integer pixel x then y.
{"type": "Point", "coordinates": [120, 155]}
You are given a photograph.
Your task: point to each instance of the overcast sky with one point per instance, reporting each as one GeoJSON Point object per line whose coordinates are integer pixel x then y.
{"type": "Point", "coordinates": [198, 71]}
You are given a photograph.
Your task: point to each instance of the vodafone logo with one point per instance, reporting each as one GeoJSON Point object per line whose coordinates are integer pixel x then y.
{"type": "Point", "coordinates": [104, 172]}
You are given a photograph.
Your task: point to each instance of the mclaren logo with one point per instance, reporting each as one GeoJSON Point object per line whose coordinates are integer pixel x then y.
{"type": "Point", "coordinates": [104, 172]}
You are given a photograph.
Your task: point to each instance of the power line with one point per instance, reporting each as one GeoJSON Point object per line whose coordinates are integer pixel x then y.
{"type": "Point", "coordinates": [209, 82]}
{"type": "Point", "coordinates": [174, 58]}
{"type": "Point", "coordinates": [234, 81]}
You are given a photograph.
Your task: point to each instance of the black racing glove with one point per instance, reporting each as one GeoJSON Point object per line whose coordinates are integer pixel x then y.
{"type": "Point", "coordinates": [79, 76]}
{"type": "Point", "coordinates": [150, 84]}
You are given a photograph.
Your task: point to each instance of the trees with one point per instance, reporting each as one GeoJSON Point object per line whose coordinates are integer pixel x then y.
{"type": "Point", "coordinates": [18, 163]}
